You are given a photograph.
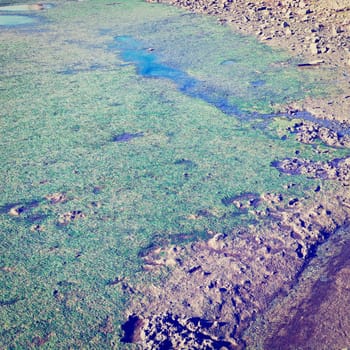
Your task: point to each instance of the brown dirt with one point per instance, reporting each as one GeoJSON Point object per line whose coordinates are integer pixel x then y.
{"type": "Point", "coordinates": [217, 288]}
{"type": "Point", "coordinates": [315, 314]}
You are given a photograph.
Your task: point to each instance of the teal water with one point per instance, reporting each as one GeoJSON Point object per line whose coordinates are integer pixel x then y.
{"type": "Point", "coordinates": [148, 65]}
{"type": "Point", "coordinates": [124, 127]}
{"type": "Point", "coordinates": [24, 8]}
{"type": "Point", "coordinates": [15, 20]}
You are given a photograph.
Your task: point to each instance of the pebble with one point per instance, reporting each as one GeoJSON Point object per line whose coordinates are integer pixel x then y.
{"type": "Point", "coordinates": [16, 211]}
{"type": "Point", "coordinates": [314, 49]}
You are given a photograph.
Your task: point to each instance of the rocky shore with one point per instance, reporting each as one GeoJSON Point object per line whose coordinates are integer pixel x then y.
{"type": "Point", "coordinates": [218, 289]}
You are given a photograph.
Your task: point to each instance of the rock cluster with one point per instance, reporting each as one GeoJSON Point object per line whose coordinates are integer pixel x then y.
{"type": "Point", "coordinates": [336, 169]}
{"type": "Point", "coordinates": [309, 132]}
{"type": "Point", "coordinates": [167, 331]}
{"type": "Point", "coordinates": [313, 28]}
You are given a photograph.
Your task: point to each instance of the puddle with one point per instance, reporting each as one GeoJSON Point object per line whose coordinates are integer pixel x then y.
{"type": "Point", "coordinates": [257, 83]}
{"type": "Point", "coordinates": [230, 62]}
{"type": "Point", "coordinates": [9, 20]}
{"type": "Point", "coordinates": [20, 8]}
{"type": "Point", "coordinates": [147, 62]}
{"type": "Point", "coordinates": [125, 137]}
{"type": "Point", "coordinates": [148, 65]}
{"type": "Point", "coordinates": [17, 18]}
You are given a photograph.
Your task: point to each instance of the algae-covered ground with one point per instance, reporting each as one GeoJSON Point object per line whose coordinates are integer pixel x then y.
{"type": "Point", "coordinates": [99, 163]}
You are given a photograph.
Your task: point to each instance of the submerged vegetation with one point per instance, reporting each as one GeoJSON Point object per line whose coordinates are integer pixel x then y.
{"type": "Point", "coordinates": [99, 162]}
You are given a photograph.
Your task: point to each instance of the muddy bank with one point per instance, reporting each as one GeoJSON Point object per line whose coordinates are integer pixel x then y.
{"type": "Point", "coordinates": [314, 314]}
{"type": "Point", "coordinates": [215, 290]}
{"type": "Point", "coordinates": [317, 32]}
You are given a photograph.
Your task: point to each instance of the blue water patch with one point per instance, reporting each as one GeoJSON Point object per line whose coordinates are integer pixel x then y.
{"type": "Point", "coordinates": [125, 137]}
{"type": "Point", "coordinates": [257, 83]}
{"type": "Point", "coordinates": [9, 20]}
{"type": "Point", "coordinates": [148, 65]}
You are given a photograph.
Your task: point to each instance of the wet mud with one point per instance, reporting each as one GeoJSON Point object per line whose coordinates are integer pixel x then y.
{"type": "Point", "coordinates": [313, 315]}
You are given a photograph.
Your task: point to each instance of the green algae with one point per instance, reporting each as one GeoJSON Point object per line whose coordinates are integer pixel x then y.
{"type": "Point", "coordinates": [57, 134]}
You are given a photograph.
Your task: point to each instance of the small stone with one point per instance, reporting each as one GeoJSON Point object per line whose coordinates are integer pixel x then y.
{"type": "Point", "coordinates": [16, 211]}
{"type": "Point", "coordinates": [37, 228]}
{"type": "Point", "coordinates": [314, 49]}
{"type": "Point", "coordinates": [288, 32]}
{"type": "Point", "coordinates": [56, 198]}
{"type": "Point", "coordinates": [66, 218]}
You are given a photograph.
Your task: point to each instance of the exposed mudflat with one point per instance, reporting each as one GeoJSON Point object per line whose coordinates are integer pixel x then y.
{"type": "Point", "coordinates": [283, 282]}
{"type": "Point", "coordinates": [225, 283]}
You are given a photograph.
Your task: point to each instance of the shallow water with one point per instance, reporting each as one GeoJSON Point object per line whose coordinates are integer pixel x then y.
{"type": "Point", "coordinates": [139, 144]}
{"type": "Point", "coordinates": [15, 20]}
{"type": "Point", "coordinates": [148, 65]}
{"type": "Point", "coordinates": [15, 8]}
